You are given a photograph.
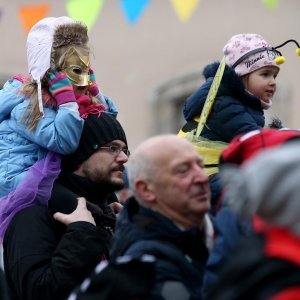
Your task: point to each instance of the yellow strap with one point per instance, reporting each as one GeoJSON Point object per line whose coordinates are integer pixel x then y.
{"type": "Point", "coordinates": [181, 133]}
{"type": "Point", "coordinates": [210, 99]}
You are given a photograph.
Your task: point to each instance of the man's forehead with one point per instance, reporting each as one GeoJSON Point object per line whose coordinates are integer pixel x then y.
{"type": "Point", "coordinates": [167, 148]}
{"type": "Point", "coordinates": [175, 158]}
{"type": "Point", "coordinates": [116, 143]}
{"type": "Point", "coordinates": [186, 157]}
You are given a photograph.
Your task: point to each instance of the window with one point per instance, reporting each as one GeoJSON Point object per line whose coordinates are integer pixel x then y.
{"type": "Point", "coordinates": [167, 102]}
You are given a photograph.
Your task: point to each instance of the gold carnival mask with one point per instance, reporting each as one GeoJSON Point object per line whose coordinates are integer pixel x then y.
{"type": "Point", "coordinates": [77, 67]}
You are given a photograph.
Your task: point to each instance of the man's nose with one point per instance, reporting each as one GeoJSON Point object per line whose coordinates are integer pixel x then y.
{"type": "Point", "coordinates": [200, 175]}
{"type": "Point", "coordinates": [122, 157]}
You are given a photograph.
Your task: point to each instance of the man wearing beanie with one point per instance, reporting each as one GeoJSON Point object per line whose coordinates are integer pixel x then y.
{"type": "Point", "coordinates": [91, 179]}
{"type": "Point", "coordinates": [62, 244]}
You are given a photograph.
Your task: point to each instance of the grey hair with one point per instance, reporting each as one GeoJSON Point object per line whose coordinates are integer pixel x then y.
{"type": "Point", "coordinates": [268, 185]}
{"type": "Point", "coordinates": [139, 166]}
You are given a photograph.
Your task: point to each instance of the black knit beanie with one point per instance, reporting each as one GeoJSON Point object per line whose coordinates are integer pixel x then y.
{"type": "Point", "coordinates": [97, 131]}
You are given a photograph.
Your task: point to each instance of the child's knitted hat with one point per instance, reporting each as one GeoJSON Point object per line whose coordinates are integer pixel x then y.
{"type": "Point", "coordinates": [248, 52]}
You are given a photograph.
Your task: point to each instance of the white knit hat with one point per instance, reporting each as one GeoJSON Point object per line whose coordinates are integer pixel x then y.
{"type": "Point", "coordinates": [39, 46]}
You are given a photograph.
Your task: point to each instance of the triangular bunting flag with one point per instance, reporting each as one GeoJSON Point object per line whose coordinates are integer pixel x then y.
{"type": "Point", "coordinates": [184, 8]}
{"type": "Point", "coordinates": [31, 14]}
{"type": "Point", "coordinates": [270, 4]}
{"type": "Point", "coordinates": [86, 11]}
{"type": "Point", "coordinates": [133, 9]}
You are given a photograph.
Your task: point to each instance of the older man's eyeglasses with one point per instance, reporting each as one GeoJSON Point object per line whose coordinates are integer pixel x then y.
{"type": "Point", "coordinates": [115, 150]}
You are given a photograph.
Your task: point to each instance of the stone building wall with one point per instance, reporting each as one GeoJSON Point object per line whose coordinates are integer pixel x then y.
{"type": "Point", "coordinates": [150, 67]}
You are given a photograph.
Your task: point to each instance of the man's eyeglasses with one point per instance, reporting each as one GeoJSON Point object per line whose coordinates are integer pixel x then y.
{"type": "Point", "coordinates": [115, 150]}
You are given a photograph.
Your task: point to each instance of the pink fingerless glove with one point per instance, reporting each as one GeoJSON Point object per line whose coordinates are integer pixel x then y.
{"type": "Point", "coordinates": [60, 87]}
{"type": "Point", "coordinates": [93, 86]}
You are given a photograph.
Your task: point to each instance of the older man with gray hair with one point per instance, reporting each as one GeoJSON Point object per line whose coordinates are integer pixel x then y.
{"type": "Point", "coordinates": [167, 216]}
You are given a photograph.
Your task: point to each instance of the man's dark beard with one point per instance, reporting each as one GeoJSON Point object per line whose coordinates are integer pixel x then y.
{"type": "Point", "coordinates": [105, 182]}
{"type": "Point", "coordinates": [108, 185]}
{"type": "Point", "coordinates": [92, 191]}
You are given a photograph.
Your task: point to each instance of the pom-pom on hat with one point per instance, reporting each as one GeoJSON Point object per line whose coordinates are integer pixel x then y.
{"type": "Point", "coordinates": [97, 132]}
{"type": "Point", "coordinates": [246, 53]}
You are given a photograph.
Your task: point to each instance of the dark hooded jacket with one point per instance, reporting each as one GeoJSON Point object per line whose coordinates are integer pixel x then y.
{"type": "Point", "coordinates": [180, 255]}
{"type": "Point", "coordinates": [3, 287]}
{"type": "Point", "coordinates": [45, 259]}
{"type": "Point", "coordinates": [265, 265]}
{"type": "Point", "coordinates": [234, 111]}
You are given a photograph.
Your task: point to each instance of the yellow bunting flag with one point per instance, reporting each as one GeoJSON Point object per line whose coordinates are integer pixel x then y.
{"type": "Point", "coordinates": [271, 4]}
{"type": "Point", "coordinates": [86, 11]}
{"type": "Point", "coordinates": [184, 8]}
{"type": "Point", "coordinates": [31, 14]}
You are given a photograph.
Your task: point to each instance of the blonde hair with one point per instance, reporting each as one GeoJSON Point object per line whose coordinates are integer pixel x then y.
{"type": "Point", "coordinates": [32, 113]}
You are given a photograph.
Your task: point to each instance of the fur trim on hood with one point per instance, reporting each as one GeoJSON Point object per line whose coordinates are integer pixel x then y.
{"type": "Point", "coordinates": [70, 34]}
{"type": "Point", "coordinates": [65, 36]}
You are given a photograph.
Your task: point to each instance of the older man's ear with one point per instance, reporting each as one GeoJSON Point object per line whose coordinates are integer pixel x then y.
{"type": "Point", "coordinates": [144, 190]}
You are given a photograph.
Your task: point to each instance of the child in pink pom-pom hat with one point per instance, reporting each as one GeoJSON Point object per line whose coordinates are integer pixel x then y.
{"type": "Point", "coordinates": [250, 54]}
{"type": "Point", "coordinates": [246, 90]}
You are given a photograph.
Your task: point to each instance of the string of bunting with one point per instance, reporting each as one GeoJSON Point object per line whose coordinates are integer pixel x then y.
{"type": "Point", "coordinates": [89, 10]}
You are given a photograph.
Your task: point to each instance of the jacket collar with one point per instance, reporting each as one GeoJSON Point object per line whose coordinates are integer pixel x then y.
{"type": "Point", "coordinates": [93, 192]}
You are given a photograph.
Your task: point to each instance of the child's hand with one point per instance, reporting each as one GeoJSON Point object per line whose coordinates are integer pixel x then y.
{"type": "Point", "coordinates": [111, 107]}
{"type": "Point", "coordinates": [116, 207]}
{"type": "Point", "coordinates": [60, 87]}
{"type": "Point", "coordinates": [93, 86]}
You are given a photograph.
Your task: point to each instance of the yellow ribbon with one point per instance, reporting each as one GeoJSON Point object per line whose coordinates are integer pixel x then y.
{"type": "Point", "coordinates": [210, 99]}
{"type": "Point", "coordinates": [209, 150]}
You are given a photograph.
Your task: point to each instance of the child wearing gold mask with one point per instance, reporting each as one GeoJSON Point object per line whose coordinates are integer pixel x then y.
{"type": "Point", "coordinates": [42, 115]}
